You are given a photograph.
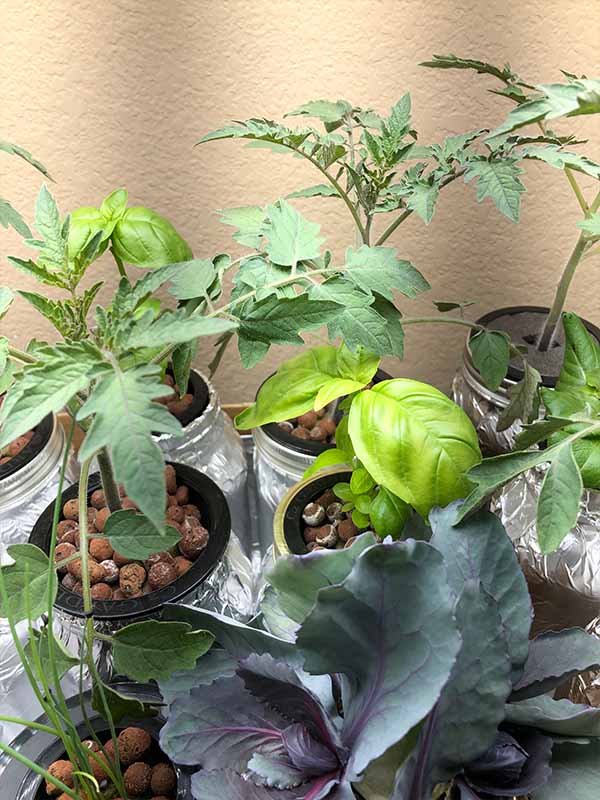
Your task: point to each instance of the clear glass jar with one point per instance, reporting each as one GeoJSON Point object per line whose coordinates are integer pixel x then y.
{"type": "Point", "coordinates": [565, 584]}
{"type": "Point", "coordinates": [211, 445]}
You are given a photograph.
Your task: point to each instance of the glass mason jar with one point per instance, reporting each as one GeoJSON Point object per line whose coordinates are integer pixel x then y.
{"type": "Point", "coordinates": [565, 584]}
{"type": "Point", "coordinates": [28, 483]}
{"type": "Point", "coordinates": [483, 406]}
{"type": "Point", "coordinates": [211, 445]}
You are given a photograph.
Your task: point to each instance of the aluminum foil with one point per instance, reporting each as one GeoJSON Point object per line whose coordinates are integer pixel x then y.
{"type": "Point", "coordinates": [483, 408]}
{"type": "Point", "coordinates": [565, 584]}
{"type": "Point", "coordinates": [211, 445]}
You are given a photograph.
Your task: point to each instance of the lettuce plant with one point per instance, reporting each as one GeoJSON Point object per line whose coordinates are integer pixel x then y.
{"type": "Point", "coordinates": [570, 429]}
{"type": "Point", "coordinates": [407, 443]}
{"type": "Point", "coordinates": [536, 107]}
{"type": "Point", "coordinates": [400, 670]}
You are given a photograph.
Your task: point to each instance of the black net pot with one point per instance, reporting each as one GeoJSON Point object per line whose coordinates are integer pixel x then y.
{"type": "Point", "coordinates": [288, 524]}
{"type": "Point", "coordinates": [17, 782]}
{"type": "Point", "coordinates": [484, 406]}
{"type": "Point", "coordinates": [189, 588]}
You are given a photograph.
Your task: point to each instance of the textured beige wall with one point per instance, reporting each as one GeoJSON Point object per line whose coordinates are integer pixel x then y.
{"type": "Point", "coordinates": [113, 93]}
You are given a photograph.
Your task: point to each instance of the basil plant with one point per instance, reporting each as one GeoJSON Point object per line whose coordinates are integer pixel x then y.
{"type": "Point", "coordinates": [397, 670]}
{"type": "Point", "coordinates": [408, 445]}
{"type": "Point", "coordinates": [570, 430]}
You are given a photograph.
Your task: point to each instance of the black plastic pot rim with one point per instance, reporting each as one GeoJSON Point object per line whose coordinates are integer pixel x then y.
{"type": "Point", "coordinates": [199, 390]}
{"type": "Point", "coordinates": [216, 518]}
{"type": "Point", "coordinates": [516, 373]}
{"type": "Point", "coordinates": [41, 437]}
{"type": "Point", "coordinates": [303, 446]}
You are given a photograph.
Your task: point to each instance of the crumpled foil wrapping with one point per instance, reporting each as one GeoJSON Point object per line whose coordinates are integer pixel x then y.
{"type": "Point", "coordinates": [483, 408]}
{"type": "Point", "coordinates": [211, 445]}
{"type": "Point", "coordinates": [565, 584]}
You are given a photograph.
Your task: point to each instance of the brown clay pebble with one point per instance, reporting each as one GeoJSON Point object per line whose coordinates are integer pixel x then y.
{"type": "Point", "coordinates": [91, 516]}
{"type": "Point", "coordinates": [169, 380]}
{"type": "Point", "coordinates": [328, 425]}
{"type": "Point", "coordinates": [155, 558]}
{"type": "Point", "coordinates": [127, 502]}
{"type": "Point", "coordinates": [300, 433]}
{"type": "Point", "coordinates": [171, 500]}
{"type": "Point", "coordinates": [97, 499]}
{"type": "Point", "coordinates": [133, 743]}
{"type": "Point", "coordinates": [111, 571]}
{"type": "Point", "coordinates": [70, 537]}
{"type": "Point", "coordinates": [63, 771]}
{"type": "Point", "coordinates": [182, 565]}
{"type": "Point", "coordinates": [193, 540]}
{"type": "Point", "coordinates": [310, 534]}
{"type": "Point", "coordinates": [96, 572]}
{"type": "Point", "coordinates": [17, 445]}
{"type": "Point", "coordinates": [91, 745]}
{"type": "Point", "coordinates": [100, 549]}
{"type": "Point", "coordinates": [161, 574]}
{"type": "Point", "coordinates": [327, 498]}
{"type": "Point", "coordinates": [118, 595]}
{"type": "Point", "coordinates": [101, 591]}
{"type": "Point", "coordinates": [171, 479]}
{"type": "Point", "coordinates": [66, 525]}
{"type": "Point", "coordinates": [347, 530]}
{"type": "Point", "coordinates": [159, 797]}
{"type": "Point", "coordinates": [192, 511]}
{"type": "Point", "coordinates": [285, 426]}
{"type": "Point", "coordinates": [101, 516]}
{"type": "Point", "coordinates": [131, 579]}
{"type": "Point", "coordinates": [308, 420]}
{"type": "Point", "coordinates": [78, 588]}
{"type": "Point", "coordinates": [120, 560]}
{"type": "Point", "coordinates": [182, 495]}
{"type": "Point", "coordinates": [137, 779]}
{"type": "Point", "coordinates": [69, 582]}
{"type": "Point", "coordinates": [62, 551]}
{"type": "Point", "coordinates": [71, 509]}
{"type": "Point", "coordinates": [318, 433]}
{"type": "Point", "coordinates": [163, 779]}
{"type": "Point", "coordinates": [175, 513]}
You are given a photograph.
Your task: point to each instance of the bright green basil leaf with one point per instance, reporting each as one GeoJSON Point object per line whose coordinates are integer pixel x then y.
{"type": "Point", "coordinates": [297, 580]}
{"type": "Point", "coordinates": [357, 366]}
{"type": "Point", "coordinates": [389, 514]}
{"type": "Point", "coordinates": [333, 457]}
{"type": "Point", "coordinates": [144, 238]}
{"type": "Point", "coordinates": [113, 206]}
{"type": "Point", "coordinates": [139, 649]}
{"type": "Point", "coordinates": [86, 223]}
{"type": "Point", "coordinates": [124, 419]}
{"type": "Point", "coordinates": [62, 660]}
{"type": "Point", "coordinates": [499, 180]}
{"type": "Point", "coordinates": [491, 353]}
{"type": "Point", "coordinates": [379, 270]}
{"type": "Point", "coordinates": [343, 491]}
{"type": "Point", "coordinates": [360, 519]}
{"type": "Point", "coordinates": [134, 536]}
{"type": "Point", "coordinates": [31, 583]}
{"type": "Point", "coordinates": [582, 355]}
{"type": "Point", "coordinates": [363, 504]}
{"type": "Point", "coordinates": [334, 388]}
{"type": "Point", "coordinates": [361, 482]}
{"type": "Point", "coordinates": [414, 441]}
{"type": "Point", "coordinates": [558, 503]}
{"type": "Point", "coordinates": [292, 238]}
{"type": "Point", "coordinates": [342, 438]}
{"type": "Point", "coordinates": [47, 386]}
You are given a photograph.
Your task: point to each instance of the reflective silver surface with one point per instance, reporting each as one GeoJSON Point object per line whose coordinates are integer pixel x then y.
{"type": "Point", "coordinates": [211, 445]}
{"type": "Point", "coordinates": [565, 584]}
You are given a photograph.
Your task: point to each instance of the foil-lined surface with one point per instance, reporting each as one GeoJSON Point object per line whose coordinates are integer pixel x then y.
{"type": "Point", "coordinates": [483, 409]}
{"type": "Point", "coordinates": [211, 445]}
{"type": "Point", "coordinates": [565, 584]}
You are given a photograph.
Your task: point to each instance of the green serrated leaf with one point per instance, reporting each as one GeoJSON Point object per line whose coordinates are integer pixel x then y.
{"type": "Point", "coordinates": [249, 220]}
{"type": "Point", "coordinates": [325, 110]}
{"type": "Point", "coordinates": [124, 419]}
{"type": "Point", "coordinates": [319, 190]}
{"type": "Point", "coordinates": [175, 327]}
{"type": "Point", "coordinates": [6, 300]}
{"type": "Point", "coordinates": [558, 503]}
{"type": "Point", "coordinates": [556, 157]}
{"type": "Point", "coordinates": [120, 705]}
{"type": "Point", "coordinates": [31, 583]}
{"type": "Point", "coordinates": [53, 250]}
{"type": "Point", "coordinates": [193, 279]}
{"type": "Point", "coordinates": [591, 225]}
{"type": "Point", "coordinates": [139, 649]}
{"type": "Point", "coordinates": [423, 199]}
{"type": "Point", "coordinates": [379, 270]}
{"type": "Point", "coordinates": [491, 355]}
{"type": "Point", "coordinates": [524, 400]}
{"type": "Point", "coordinates": [134, 536]}
{"type": "Point", "coordinates": [279, 321]}
{"type": "Point", "coordinates": [499, 180]}
{"type": "Point", "coordinates": [292, 238]}
{"type": "Point", "coordinates": [10, 217]}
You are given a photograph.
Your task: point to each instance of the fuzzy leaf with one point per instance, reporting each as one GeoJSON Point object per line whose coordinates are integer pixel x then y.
{"type": "Point", "coordinates": [278, 321]}
{"type": "Point", "coordinates": [491, 354]}
{"type": "Point", "coordinates": [175, 327]}
{"type": "Point", "coordinates": [498, 180]}
{"type": "Point", "coordinates": [395, 650]}
{"type": "Point", "coordinates": [573, 768]}
{"type": "Point", "coordinates": [479, 549]}
{"type": "Point", "coordinates": [134, 536]}
{"type": "Point", "coordinates": [53, 251]}
{"type": "Point", "coordinates": [249, 221]}
{"type": "Point", "coordinates": [325, 110]}
{"type": "Point", "coordinates": [481, 67]}
{"type": "Point", "coordinates": [193, 279]}
{"type": "Point", "coordinates": [6, 300]}
{"type": "Point", "coordinates": [423, 199]}
{"type": "Point", "coordinates": [591, 225]}
{"type": "Point", "coordinates": [398, 434]}
{"type": "Point", "coordinates": [558, 503]}
{"type": "Point", "coordinates": [559, 717]}
{"type": "Point", "coordinates": [125, 419]}
{"type": "Point", "coordinates": [139, 649]}
{"type": "Point", "coordinates": [319, 190]}
{"type": "Point", "coordinates": [9, 216]}
{"type": "Point", "coordinates": [31, 583]}
{"type": "Point", "coordinates": [379, 270]}
{"type": "Point", "coordinates": [524, 401]}
{"type": "Point", "coordinates": [292, 238]}
{"type": "Point", "coordinates": [16, 150]}
{"type": "Point", "coordinates": [557, 157]}
{"type": "Point", "coordinates": [582, 355]}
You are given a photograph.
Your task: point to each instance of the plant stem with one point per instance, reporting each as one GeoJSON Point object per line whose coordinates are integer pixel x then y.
{"type": "Point", "coordinates": [577, 189]}
{"type": "Point", "coordinates": [560, 297]}
{"type": "Point", "coordinates": [35, 726]}
{"type": "Point", "coordinates": [83, 534]}
{"type": "Point", "coordinates": [442, 321]}
{"type": "Point", "coordinates": [109, 484]}
{"type": "Point", "coordinates": [38, 770]}
{"type": "Point", "coordinates": [120, 265]}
